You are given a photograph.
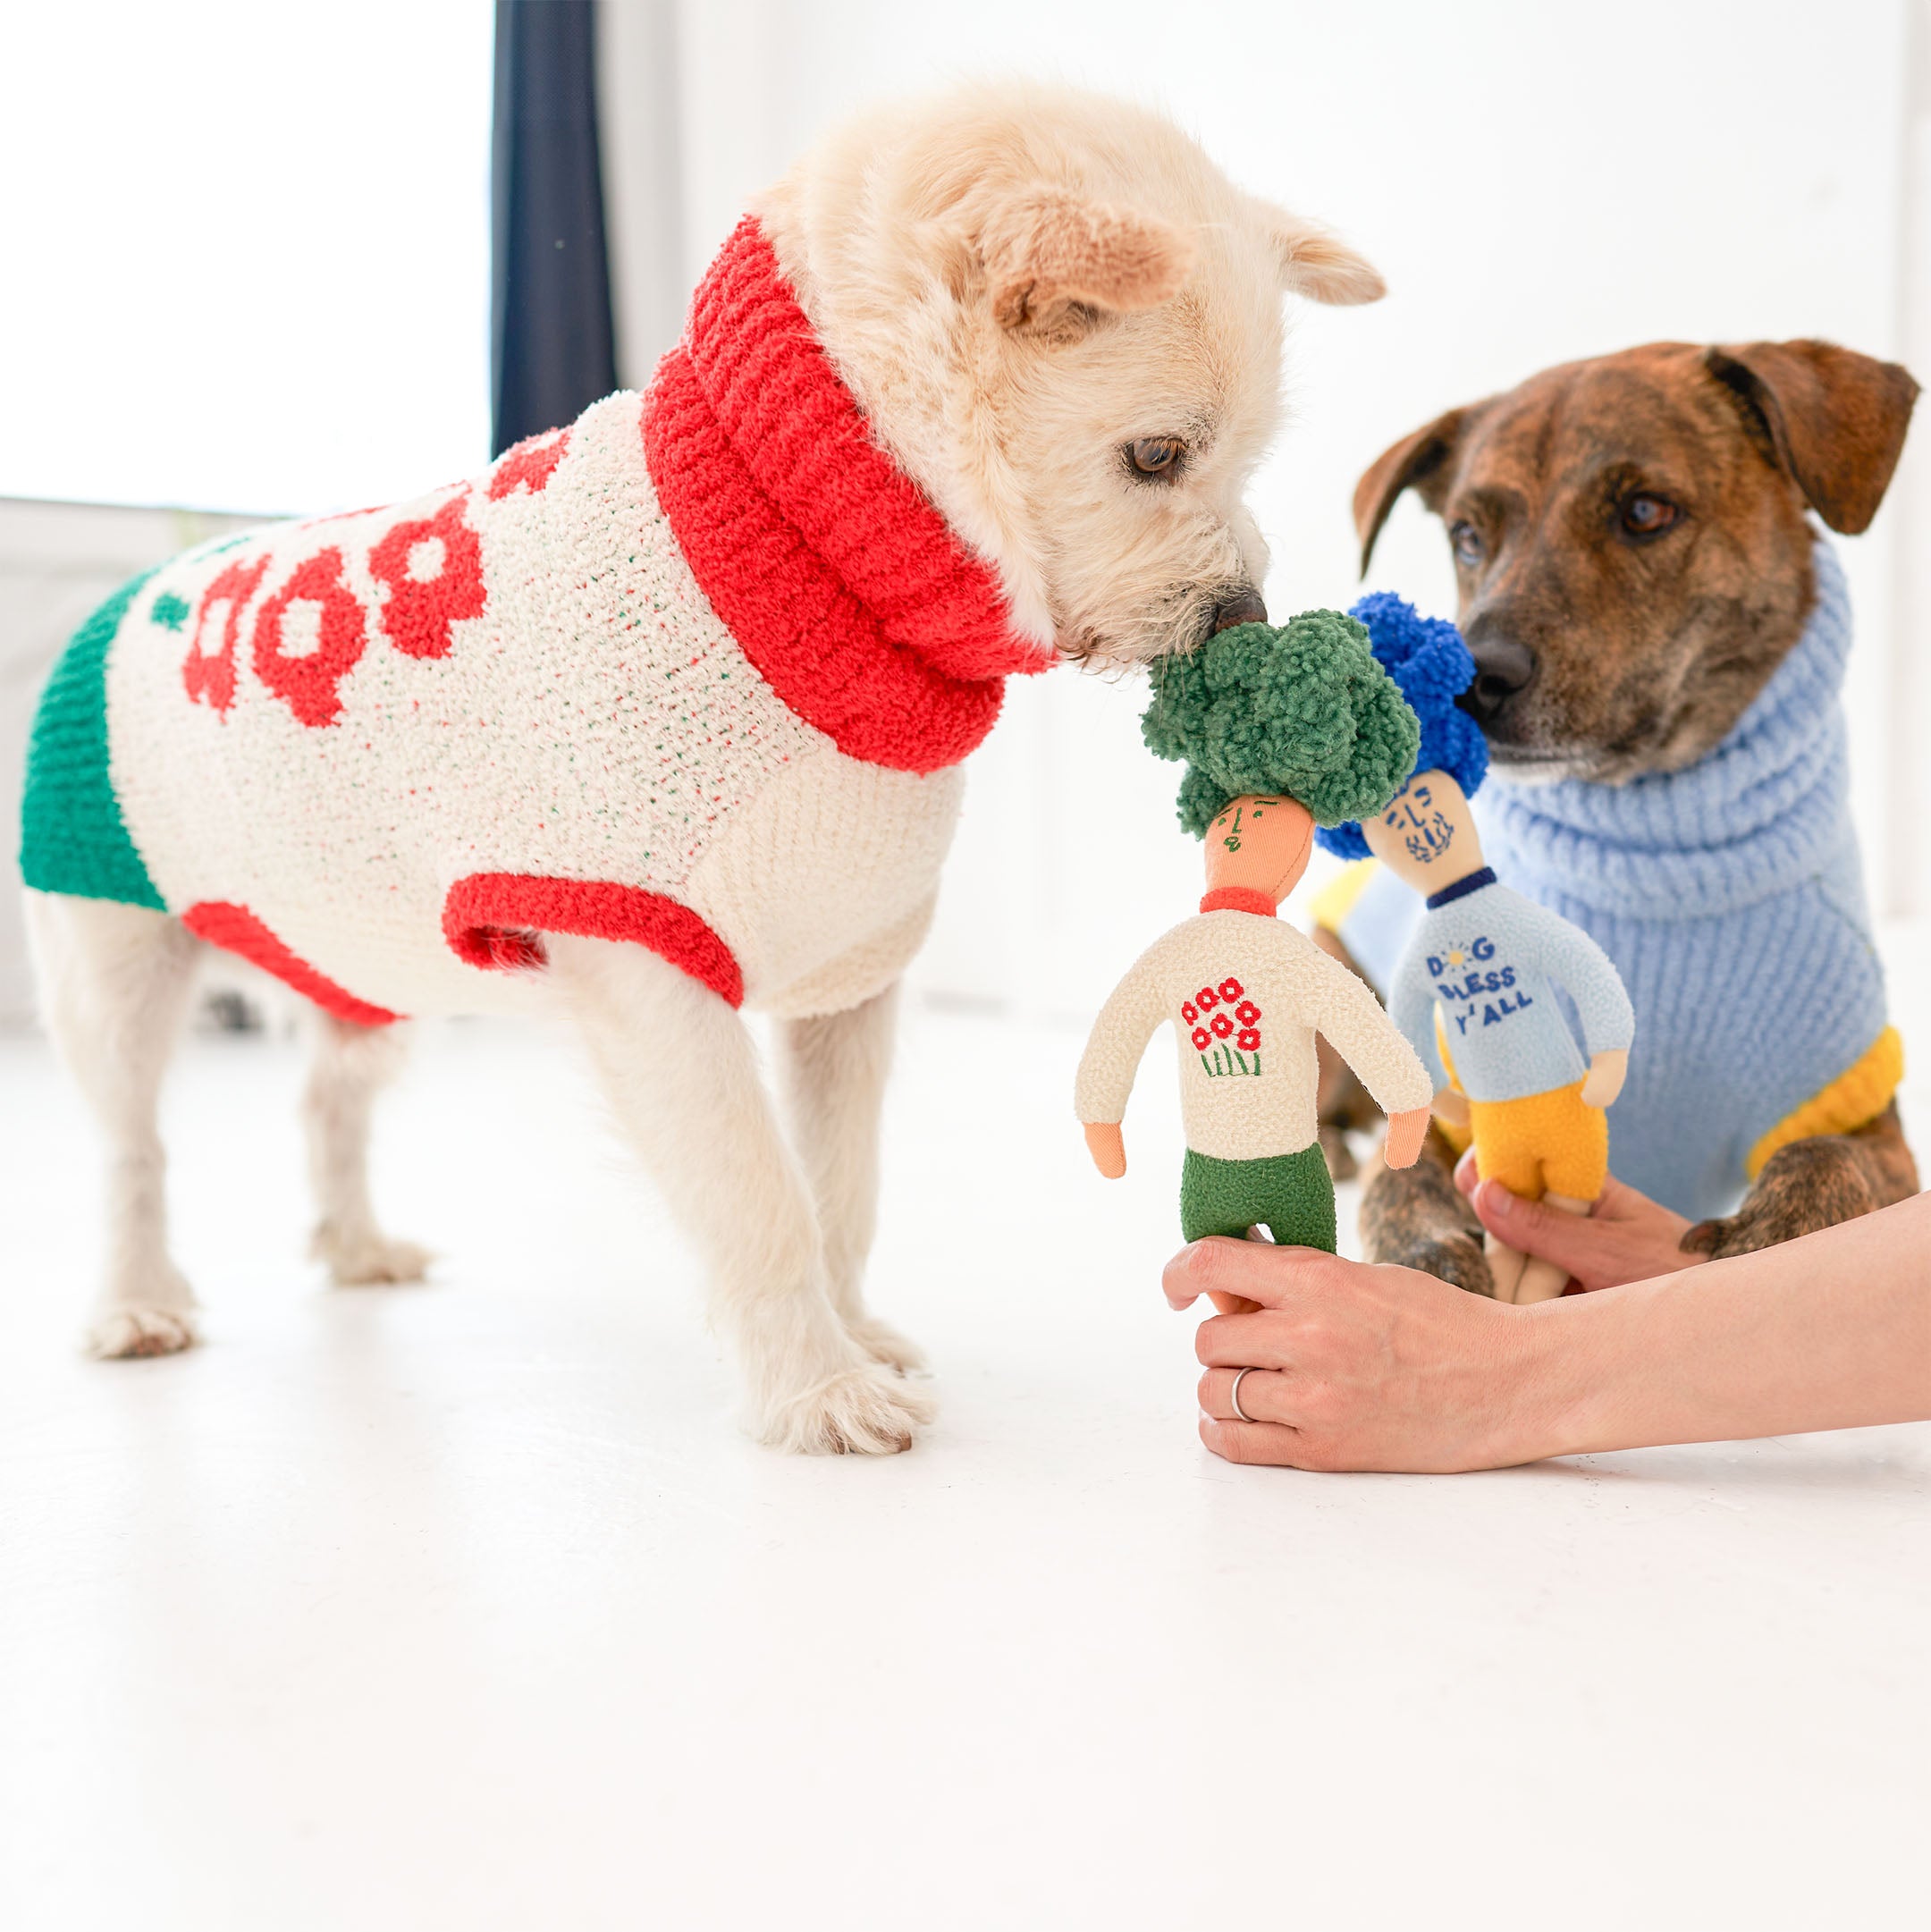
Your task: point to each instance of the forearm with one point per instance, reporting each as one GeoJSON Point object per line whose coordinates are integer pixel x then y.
{"type": "Point", "coordinates": [1832, 1331]}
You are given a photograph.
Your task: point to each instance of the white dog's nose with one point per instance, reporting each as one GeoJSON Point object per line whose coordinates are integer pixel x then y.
{"type": "Point", "coordinates": [1243, 607]}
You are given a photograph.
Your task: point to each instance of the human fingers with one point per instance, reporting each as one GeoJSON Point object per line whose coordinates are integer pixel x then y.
{"type": "Point", "coordinates": [1468, 1171]}
{"type": "Point", "coordinates": [1625, 1237]}
{"type": "Point", "coordinates": [1265, 1394]}
{"type": "Point", "coordinates": [1256, 1271]}
{"type": "Point", "coordinates": [1264, 1339]}
{"type": "Point", "coordinates": [1266, 1443]}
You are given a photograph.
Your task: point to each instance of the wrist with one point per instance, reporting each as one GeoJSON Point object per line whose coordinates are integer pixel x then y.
{"type": "Point", "coordinates": [1560, 1384]}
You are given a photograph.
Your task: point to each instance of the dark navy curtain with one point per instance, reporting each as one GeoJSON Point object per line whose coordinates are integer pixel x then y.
{"type": "Point", "coordinates": [550, 339]}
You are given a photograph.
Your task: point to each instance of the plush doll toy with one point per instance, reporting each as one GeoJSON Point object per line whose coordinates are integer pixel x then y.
{"type": "Point", "coordinates": [1281, 728]}
{"type": "Point", "coordinates": [1476, 990]}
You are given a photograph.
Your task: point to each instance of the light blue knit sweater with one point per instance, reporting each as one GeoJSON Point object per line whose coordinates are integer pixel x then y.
{"type": "Point", "coordinates": [1729, 896]}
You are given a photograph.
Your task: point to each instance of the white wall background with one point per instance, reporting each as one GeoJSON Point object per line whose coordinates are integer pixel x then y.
{"type": "Point", "coordinates": [1538, 182]}
{"type": "Point", "coordinates": [244, 256]}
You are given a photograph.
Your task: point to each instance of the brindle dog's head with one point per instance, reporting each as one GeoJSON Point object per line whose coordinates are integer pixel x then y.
{"type": "Point", "coordinates": [1630, 537]}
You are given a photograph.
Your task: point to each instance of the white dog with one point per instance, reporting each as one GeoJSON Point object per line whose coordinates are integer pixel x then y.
{"type": "Point", "coordinates": [664, 713]}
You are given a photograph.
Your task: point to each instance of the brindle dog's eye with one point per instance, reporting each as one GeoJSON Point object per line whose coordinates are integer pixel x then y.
{"type": "Point", "coordinates": [1156, 456]}
{"type": "Point", "coordinates": [1649, 515]}
{"type": "Point", "coordinates": [1466, 540]}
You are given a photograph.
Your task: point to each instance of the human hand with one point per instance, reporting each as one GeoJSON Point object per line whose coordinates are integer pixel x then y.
{"type": "Point", "coordinates": [1451, 1104]}
{"type": "Point", "coordinates": [1607, 1071]}
{"type": "Point", "coordinates": [1107, 1146]}
{"type": "Point", "coordinates": [1405, 1133]}
{"type": "Point", "coordinates": [1625, 1236]}
{"type": "Point", "coordinates": [1359, 1367]}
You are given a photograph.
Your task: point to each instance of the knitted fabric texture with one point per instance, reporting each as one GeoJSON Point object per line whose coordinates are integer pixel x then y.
{"type": "Point", "coordinates": [1245, 996]}
{"type": "Point", "coordinates": [1730, 898]}
{"type": "Point", "coordinates": [1431, 667]}
{"type": "Point", "coordinates": [1290, 1195]}
{"type": "Point", "coordinates": [1484, 969]}
{"type": "Point", "coordinates": [1302, 711]}
{"type": "Point", "coordinates": [694, 672]}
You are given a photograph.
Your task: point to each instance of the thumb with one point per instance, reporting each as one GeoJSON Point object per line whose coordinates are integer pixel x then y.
{"type": "Point", "coordinates": [1531, 1228]}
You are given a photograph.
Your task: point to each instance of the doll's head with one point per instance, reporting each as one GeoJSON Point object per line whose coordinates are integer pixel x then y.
{"type": "Point", "coordinates": [1300, 711]}
{"type": "Point", "coordinates": [1426, 834]}
{"type": "Point", "coordinates": [1259, 843]}
{"type": "Point", "coordinates": [1431, 667]}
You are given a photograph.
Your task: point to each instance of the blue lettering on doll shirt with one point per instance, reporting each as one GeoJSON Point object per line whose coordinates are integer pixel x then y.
{"type": "Point", "coordinates": [1486, 968]}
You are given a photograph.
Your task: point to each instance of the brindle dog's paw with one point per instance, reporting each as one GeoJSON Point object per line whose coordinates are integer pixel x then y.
{"type": "Point", "coordinates": [1458, 1261]}
{"type": "Point", "coordinates": [1805, 1186]}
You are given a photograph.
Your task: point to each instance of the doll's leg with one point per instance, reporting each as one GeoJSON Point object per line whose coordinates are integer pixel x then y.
{"type": "Point", "coordinates": [1299, 1209]}
{"type": "Point", "coordinates": [1505, 1267]}
{"type": "Point", "coordinates": [833, 1070]}
{"type": "Point", "coordinates": [1541, 1281]}
{"type": "Point", "coordinates": [681, 1074]}
{"type": "Point", "coordinates": [351, 1064]}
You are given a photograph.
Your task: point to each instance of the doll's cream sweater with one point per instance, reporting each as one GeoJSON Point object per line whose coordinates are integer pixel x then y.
{"type": "Point", "coordinates": [1245, 993]}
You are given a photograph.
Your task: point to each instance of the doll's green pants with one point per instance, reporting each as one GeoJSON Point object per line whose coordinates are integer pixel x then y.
{"type": "Point", "coordinates": [1288, 1195]}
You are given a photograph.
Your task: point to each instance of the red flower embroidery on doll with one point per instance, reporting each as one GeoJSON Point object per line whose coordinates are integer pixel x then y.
{"type": "Point", "coordinates": [306, 669]}
{"type": "Point", "coordinates": [1247, 1013]}
{"type": "Point", "coordinates": [1248, 1040]}
{"type": "Point", "coordinates": [433, 569]}
{"type": "Point", "coordinates": [529, 465]}
{"type": "Point", "coordinates": [1221, 1026]}
{"type": "Point", "coordinates": [1206, 998]}
{"type": "Point", "coordinates": [1189, 1012]}
{"type": "Point", "coordinates": [1231, 989]}
{"type": "Point", "coordinates": [211, 674]}
{"type": "Point", "coordinates": [1202, 1039]}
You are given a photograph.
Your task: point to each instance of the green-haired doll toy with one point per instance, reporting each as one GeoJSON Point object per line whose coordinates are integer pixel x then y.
{"type": "Point", "coordinates": [1282, 728]}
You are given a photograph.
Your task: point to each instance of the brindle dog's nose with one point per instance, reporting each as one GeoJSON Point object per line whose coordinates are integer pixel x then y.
{"type": "Point", "coordinates": [1243, 607]}
{"type": "Point", "coordinates": [1503, 669]}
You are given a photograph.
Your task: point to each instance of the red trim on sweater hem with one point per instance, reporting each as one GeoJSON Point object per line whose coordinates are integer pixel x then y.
{"type": "Point", "coordinates": [1239, 898]}
{"type": "Point", "coordinates": [837, 578]}
{"type": "Point", "coordinates": [496, 920]}
{"type": "Point", "coordinates": [236, 930]}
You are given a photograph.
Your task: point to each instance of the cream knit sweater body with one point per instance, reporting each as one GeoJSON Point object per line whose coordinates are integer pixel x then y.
{"type": "Point", "coordinates": [1245, 995]}
{"type": "Point", "coordinates": [595, 720]}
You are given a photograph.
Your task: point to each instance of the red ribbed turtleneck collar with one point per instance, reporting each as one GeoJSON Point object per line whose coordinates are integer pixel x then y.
{"type": "Point", "coordinates": [839, 579]}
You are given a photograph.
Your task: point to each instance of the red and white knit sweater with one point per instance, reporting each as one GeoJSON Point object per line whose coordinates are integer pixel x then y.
{"type": "Point", "coordinates": [697, 671]}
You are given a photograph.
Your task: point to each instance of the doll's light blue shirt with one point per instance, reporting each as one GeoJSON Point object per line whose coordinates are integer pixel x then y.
{"type": "Point", "coordinates": [1486, 968]}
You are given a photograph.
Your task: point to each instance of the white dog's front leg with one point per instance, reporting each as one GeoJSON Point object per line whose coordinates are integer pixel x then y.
{"type": "Point", "coordinates": [834, 1069]}
{"type": "Point", "coordinates": [680, 1070]}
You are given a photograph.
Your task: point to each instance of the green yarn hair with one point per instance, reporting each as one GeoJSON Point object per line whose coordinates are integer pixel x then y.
{"type": "Point", "coordinates": [1301, 710]}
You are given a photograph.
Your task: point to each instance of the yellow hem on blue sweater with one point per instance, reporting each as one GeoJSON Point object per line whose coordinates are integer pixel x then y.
{"type": "Point", "coordinates": [1857, 1096]}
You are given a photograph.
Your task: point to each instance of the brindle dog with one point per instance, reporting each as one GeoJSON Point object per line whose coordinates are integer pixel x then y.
{"type": "Point", "coordinates": [1633, 562]}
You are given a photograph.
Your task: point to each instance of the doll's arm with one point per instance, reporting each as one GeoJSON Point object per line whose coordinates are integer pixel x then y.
{"type": "Point", "coordinates": [1412, 1007]}
{"type": "Point", "coordinates": [1107, 1068]}
{"type": "Point", "coordinates": [1381, 1056]}
{"type": "Point", "coordinates": [1602, 1004]}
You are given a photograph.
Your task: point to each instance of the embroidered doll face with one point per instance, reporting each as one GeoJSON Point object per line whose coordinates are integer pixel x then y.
{"type": "Point", "coordinates": [1260, 844]}
{"type": "Point", "coordinates": [1426, 835]}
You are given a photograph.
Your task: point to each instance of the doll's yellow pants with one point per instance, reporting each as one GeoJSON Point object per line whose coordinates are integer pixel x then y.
{"type": "Point", "coordinates": [1546, 1143]}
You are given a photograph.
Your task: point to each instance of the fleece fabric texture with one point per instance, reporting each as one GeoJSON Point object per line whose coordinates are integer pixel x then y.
{"type": "Point", "coordinates": [1551, 1142]}
{"type": "Point", "coordinates": [1245, 995]}
{"type": "Point", "coordinates": [1730, 898]}
{"type": "Point", "coordinates": [1290, 1195]}
{"type": "Point", "coordinates": [1481, 974]}
{"type": "Point", "coordinates": [697, 671]}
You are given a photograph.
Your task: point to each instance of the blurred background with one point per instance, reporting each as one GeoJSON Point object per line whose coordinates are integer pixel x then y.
{"type": "Point", "coordinates": [270, 260]}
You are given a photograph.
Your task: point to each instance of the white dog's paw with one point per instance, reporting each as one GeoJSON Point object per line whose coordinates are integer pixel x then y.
{"type": "Point", "coordinates": [884, 1343]}
{"type": "Point", "coordinates": [867, 1411]}
{"type": "Point", "coordinates": [123, 1332]}
{"type": "Point", "coordinates": [367, 1258]}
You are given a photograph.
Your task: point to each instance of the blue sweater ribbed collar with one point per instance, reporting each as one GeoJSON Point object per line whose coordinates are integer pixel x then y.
{"type": "Point", "coordinates": [1768, 808]}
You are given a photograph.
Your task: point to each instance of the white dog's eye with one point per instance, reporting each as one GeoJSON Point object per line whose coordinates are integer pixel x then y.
{"type": "Point", "coordinates": [1156, 456]}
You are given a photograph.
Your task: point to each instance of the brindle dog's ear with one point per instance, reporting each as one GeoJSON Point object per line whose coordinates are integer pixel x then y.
{"type": "Point", "coordinates": [1836, 420]}
{"type": "Point", "coordinates": [1420, 462]}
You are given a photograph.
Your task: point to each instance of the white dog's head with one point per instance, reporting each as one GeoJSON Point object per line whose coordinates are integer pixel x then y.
{"type": "Point", "coordinates": [1064, 323]}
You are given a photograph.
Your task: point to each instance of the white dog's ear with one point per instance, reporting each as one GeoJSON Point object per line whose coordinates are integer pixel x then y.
{"type": "Point", "coordinates": [1052, 256]}
{"type": "Point", "coordinates": [1318, 264]}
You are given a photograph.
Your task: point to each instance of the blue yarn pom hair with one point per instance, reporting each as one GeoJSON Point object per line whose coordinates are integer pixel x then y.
{"type": "Point", "coordinates": [1427, 658]}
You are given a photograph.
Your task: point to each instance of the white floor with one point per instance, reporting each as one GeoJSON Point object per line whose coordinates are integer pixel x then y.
{"type": "Point", "coordinates": [466, 1606]}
